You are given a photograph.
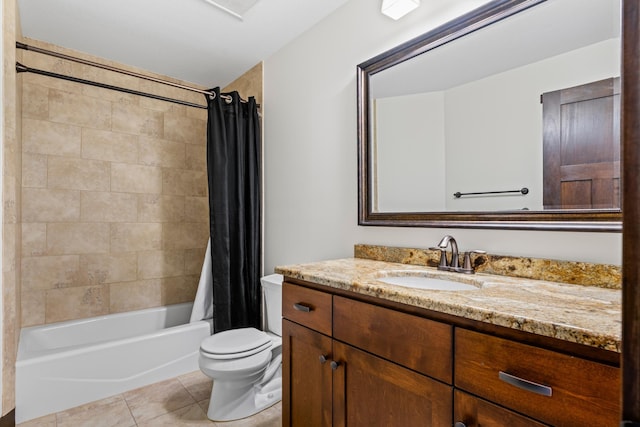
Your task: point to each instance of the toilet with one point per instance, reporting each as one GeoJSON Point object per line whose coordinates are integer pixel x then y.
{"type": "Point", "coordinates": [246, 363]}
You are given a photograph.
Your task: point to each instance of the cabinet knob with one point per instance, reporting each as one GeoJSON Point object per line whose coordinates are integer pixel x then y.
{"type": "Point", "coordinates": [334, 365]}
{"type": "Point", "coordinates": [323, 358]}
{"type": "Point", "coordinates": [459, 424]}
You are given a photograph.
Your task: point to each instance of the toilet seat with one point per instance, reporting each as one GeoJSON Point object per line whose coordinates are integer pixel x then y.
{"type": "Point", "coordinates": [250, 365]}
{"type": "Point", "coordinates": [235, 344]}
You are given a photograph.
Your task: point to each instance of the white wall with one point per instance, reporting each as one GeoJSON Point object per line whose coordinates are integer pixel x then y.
{"type": "Point", "coordinates": [409, 153]}
{"type": "Point", "coordinates": [311, 148]}
{"type": "Point", "coordinates": [502, 116]}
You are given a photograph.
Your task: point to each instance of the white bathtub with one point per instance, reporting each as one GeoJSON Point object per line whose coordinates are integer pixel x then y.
{"type": "Point", "coordinates": [66, 364]}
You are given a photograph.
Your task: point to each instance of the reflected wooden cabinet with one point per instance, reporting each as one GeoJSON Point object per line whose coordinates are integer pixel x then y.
{"type": "Point", "coordinates": [353, 363]}
{"type": "Point", "coordinates": [581, 140]}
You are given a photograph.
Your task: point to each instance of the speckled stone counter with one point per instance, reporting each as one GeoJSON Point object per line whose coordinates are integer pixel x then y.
{"type": "Point", "coordinates": [577, 273]}
{"type": "Point", "coordinates": [586, 315]}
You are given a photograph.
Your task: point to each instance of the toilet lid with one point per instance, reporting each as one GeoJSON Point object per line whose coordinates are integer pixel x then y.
{"type": "Point", "coordinates": [235, 343]}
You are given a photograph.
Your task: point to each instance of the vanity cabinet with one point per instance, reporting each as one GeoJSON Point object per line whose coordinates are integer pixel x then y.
{"type": "Point", "coordinates": [330, 382]}
{"type": "Point", "coordinates": [349, 361]}
{"type": "Point", "coordinates": [552, 387]}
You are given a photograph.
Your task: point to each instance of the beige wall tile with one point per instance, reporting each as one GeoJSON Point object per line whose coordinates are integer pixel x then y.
{"type": "Point", "coordinates": [127, 296]}
{"type": "Point", "coordinates": [78, 174]}
{"type": "Point", "coordinates": [157, 208]}
{"type": "Point", "coordinates": [248, 84]}
{"type": "Point", "coordinates": [97, 269]}
{"type": "Point", "coordinates": [49, 272]}
{"type": "Point", "coordinates": [77, 238]}
{"type": "Point", "coordinates": [48, 205]}
{"type": "Point", "coordinates": [185, 129]}
{"type": "Point", "coordinates": [158, 105]}
{"type": "Point", "coordinates": [128, 237]}
{"type": "Point", "coordinates": [34, 170]}
{"type": "Point", "coordinates": [173, 92]}
{"type": "Point", "coordinates": [73, 108]}
{"type": "Point", "coordinates": [59, 84]}
{"type": "Point", "coordinates": [109, 146]}
{"type": "Point", "coordinates": [111, 150]}
{"type": "Point", "coordinates": [176, 290]}
{"type": "Point", "coordinates": [136, 179]}
{"type": "Point", "coordinates": [196, 209]}
{"type": "Point", "coordinates": [32, 304]}
{"type": "Point", "coordinates": [193, 260]}
{"type": "Point", "coordinates": [35, 101]}
{"type": "Point", "coordinates": [76, 303]}
{"type": "Point", "coordinates": [44, 137]}
{"type": "Point", "coordinates": [160, 152]}
{"type": "Point", "coordinates": [116, 79]}
{"type": "Point", "coordinates": [157, 264]}
{"type": "Point", "coordinates": [198, 113]}
{"type": "Point", "coordinates": [196, 157]}
{"type": "Point", "coordinates": [185, 235]}
{"type": "Point", "coordinates": [182, 182]}
{"type": "Point", "coordinates": [132, 119]}
{"type": "Point", "coordinates": [108, 207]}
{"type": "Point", "coordinates": [10, 201]}
{"type": "Point", "coordinates": [34, 239]}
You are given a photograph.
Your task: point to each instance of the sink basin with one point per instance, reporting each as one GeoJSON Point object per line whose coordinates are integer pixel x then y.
{"type": "Point", "coordinates": [420, 281]}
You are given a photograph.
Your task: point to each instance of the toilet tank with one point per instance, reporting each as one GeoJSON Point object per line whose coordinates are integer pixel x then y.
{"type": "Point", "coordinates": [272, 308]}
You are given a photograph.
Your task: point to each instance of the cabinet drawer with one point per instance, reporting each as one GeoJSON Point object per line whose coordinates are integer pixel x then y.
{"type": "Point", "coordinates": [419, 344]}
{"type": "Point", "coordinates": [554, 388]}
{"type": "Point", "coordinates": [307, 307]}
{"type": "Point", "coordinates": [474, 412]}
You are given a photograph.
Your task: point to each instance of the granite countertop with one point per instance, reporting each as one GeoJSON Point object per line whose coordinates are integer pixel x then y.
{"type": "Point", "coordinates": [582, 314]}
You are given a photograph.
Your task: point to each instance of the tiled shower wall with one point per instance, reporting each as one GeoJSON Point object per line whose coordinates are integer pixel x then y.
{"type": "Point", "coordinates": [11, 191]}
{"type": "Point", "coordinates": [114, 193]}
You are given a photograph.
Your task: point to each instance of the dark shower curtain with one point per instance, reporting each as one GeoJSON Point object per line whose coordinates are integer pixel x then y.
{"type": "Point", "coordinates": [234, 171]}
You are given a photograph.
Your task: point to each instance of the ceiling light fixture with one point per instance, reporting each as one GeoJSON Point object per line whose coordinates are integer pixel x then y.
{"type": "Point", "coordinates": [396, 9]}
{"type": "Point", "coordinates": [236, 8]}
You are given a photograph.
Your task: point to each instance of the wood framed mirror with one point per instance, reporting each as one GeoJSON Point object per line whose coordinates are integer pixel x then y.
{"type": "Point", "coordinates": [507, 117]}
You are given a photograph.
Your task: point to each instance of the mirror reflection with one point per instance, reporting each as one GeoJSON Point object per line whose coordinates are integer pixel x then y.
{"type": "Point", "coordinates": [530, 102]}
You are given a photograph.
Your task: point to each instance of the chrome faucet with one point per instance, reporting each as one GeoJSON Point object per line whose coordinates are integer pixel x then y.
{"type": "Point", "coordinates": [454, 264]}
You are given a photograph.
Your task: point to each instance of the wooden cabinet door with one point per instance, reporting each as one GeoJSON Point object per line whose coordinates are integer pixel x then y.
{"type": "Point", "coordinates": [370, 391]}
{"type": "Point", "coordinates": [581, 138]}
{"type": "Point", "coordinates": [474, 412]}
{"type": "Point", "coordinates": [307, 380]}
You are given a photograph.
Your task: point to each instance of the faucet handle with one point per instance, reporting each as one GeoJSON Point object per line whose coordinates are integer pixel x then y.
{"type": "Point", "coordinates": [467, 267]}
{"type": "Point", "coordinates": [443, 257]}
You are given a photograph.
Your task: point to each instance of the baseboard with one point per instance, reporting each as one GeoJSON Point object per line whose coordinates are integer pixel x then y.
{"type": "Point", "coordinates": [9, 420]}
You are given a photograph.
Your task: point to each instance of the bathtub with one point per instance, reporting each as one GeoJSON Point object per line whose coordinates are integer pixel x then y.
{"type": "Point", "coordinates": [67, 364]}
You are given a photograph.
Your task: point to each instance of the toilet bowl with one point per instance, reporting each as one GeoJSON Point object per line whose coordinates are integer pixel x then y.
{"type": "Point", "coordinates": [246, 363]}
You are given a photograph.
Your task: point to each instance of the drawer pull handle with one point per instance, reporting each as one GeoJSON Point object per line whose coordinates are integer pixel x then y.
{"type": "Point", "coordinates": [335, 365]}
{"type": "Point", "coordinates": [525, 384]}
{"type": "Point", "coordinates": [302, 307]}
{"type": "Point", "coordinates": [323, 358]}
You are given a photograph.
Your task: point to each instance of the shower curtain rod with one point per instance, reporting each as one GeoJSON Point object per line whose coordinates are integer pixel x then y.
{"type": "Point", "coordinates": [24, 69]}
{"type": "Point", "coordinates": [209, 93]}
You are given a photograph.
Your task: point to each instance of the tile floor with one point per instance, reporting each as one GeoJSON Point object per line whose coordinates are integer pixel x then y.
{"type": "Point", "coordinates": [178, 402]}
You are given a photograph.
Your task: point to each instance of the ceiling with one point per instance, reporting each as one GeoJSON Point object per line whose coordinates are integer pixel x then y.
{"type": "Point", "coordinates": [187, 39]}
